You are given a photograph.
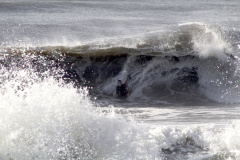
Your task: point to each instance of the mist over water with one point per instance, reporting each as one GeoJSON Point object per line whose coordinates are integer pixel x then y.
{"type": "Point", "coordinates": [60, 61]}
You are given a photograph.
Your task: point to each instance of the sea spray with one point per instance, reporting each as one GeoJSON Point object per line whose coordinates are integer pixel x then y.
{"type": "Point", "coordinates": [53, 122]}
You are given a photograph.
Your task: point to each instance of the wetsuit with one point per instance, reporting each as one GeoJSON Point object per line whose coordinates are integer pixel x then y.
{"type": "Point", "coordinates": [122, 91]}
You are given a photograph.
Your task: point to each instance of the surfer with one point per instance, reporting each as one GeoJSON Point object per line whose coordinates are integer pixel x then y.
{"type": "Point", "coordinates": [122, 89]}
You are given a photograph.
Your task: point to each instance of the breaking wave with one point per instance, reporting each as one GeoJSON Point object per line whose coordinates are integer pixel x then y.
{"type": "Point", "coordinates": [188, 63]}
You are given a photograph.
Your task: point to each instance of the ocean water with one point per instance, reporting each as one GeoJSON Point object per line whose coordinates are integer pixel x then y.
{"type": "Point", "coordinates": [59, 66]}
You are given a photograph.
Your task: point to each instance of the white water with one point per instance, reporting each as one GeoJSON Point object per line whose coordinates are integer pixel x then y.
{"type": "Point", "coordinates": [53, 120]}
